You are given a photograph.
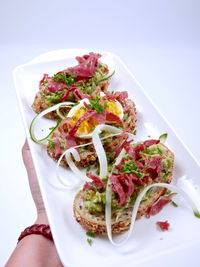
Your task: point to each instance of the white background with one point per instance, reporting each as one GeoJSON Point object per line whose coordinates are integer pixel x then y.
{"type": "Point", "coordinates": [158, 40]}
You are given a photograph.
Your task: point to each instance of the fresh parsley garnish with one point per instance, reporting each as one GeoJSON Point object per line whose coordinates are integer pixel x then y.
{"type": "Point", "coordinates": [104, 199]}
{"type": "Point", "coordinates": [89, 241]}
{"type": "Point", "coordinates": [196, 213]}
{"type": "Point", "coordinates": [174, 203]}
{"type": "Point", "coordinates": [51, 144]}
{"type": "Point", "coordinates": [90, 234]}
{"type": "Point", "coordinates": [88, 169]}
{"type": "Point", "coordinates": [98, 170]}
{"type": "Point", "coordinates": [131, 167]}
{"type": "Point", "coordinates": [67, 78]}
{"type": "Point", "coordinates": [94, 104]}
{"type": "Point", "coordinates": [128, 157]}
{"type": "Point", "coordinates": [94, 187]}
{"type": "Point", "coordinates": [110, 157]}
{"type": "Point", "coordinates": [163, 137]}
{"type": "Point", "coordinates": [44, 83]}
{"type": "Point", "coordinates": [160, 150]}
{"type": "Point", "coordinates": [146, 166]}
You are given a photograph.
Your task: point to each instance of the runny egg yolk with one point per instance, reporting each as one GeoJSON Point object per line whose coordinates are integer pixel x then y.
{"type": "Point", "coordinates": [88, 125]}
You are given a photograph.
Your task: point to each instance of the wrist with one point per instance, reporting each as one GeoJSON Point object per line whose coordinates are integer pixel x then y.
{"type": "Point", "coordinates": [42, 218]}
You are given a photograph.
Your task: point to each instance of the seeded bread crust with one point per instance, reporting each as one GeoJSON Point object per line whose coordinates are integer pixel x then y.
{"type": "Point", "coordinates": [87, 158]}
{"type": "Point", "coordinates": [130, 123]}
{"type": "Point", "coordinates": [96, 224]}
{"type": "Point", "coordinates": [39, 105]}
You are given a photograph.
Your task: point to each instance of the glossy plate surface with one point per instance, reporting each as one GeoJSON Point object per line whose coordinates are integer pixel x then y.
{"type": "Point", "coordinates": [147, 244]}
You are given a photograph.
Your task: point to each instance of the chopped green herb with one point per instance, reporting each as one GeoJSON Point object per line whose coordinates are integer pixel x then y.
{"type": "Point", "coordinates": [128, 157]}
{"type": "Point", "coordinates": [44, 83]}
{"type": "Point", "coordinates": [147, 151]}
{"type": "Point", "coordinates": [90, 234]}
{"type": "Point", "coordinates": [73, 118]}
{"type": "Point", "coordinates": [94, 104]}
{"type": "Point", "coordinates": [169, 164]}
{"type": "Point", "coordinates": [174, 203]}
{"type": "Point", "coordinates": [51, 144]}
{"type": "Point", "coordinates": [51, 128]}
{"type": "Point", "coordinates": [106, 105]}
{"type": "Point", "coordinates": [83, 108]}
{"type": "Point", "coordinates": [146, 166]}
{"type": "Point", "coordinates": [53, 97]}
{"type": "Point", "coordinates": [168, 192]}
{"type": "Point", "coordinates": [89, 241]}
{"type": "Point", "coordinates": [104, 199]}
{"type": "Point", "coordinates": [196, 213]}
{"type": "Point", "coordinates": [110, 157]}
{"type": "Point", "coordinates": [98, 170]}
{"type": "Point", "coordinates": [163, 137]}
{"type": "Point", "coordinates": [67, 78]}
{"type": "Point", "coordinates": [116, 173]}
{"type": "Point", "coordinates": [94, 187]}
{"type": "Point", "coordinates": [135, 132]}
{"type": "Point", "coordinates": [109, 168]}
{"type": "Point", "coordinates": [131, 167]}
{"type": "Point", "coordinates": [88, 169]}
{"type": "Point", "coordinates": [160, 150]}
{"type": "Point", "coordinates": [166, 175]}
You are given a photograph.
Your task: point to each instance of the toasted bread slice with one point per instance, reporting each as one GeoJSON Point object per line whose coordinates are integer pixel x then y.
{"type": "Point", "coordinates": [96, 224]}
{"type": "Point", "coordinates": [40, 105]}
{"type": "Point", "coordinates": [89, 157]}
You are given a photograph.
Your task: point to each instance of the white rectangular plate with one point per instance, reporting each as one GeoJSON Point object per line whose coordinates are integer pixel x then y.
{"type": "Point", "coordinates": [147, 243]}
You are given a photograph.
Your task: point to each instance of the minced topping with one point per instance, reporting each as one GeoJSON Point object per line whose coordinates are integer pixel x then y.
{"type": "Point", "coordinates": [74, 83]}
{"type": "Point", "coordinates": [143, 164]}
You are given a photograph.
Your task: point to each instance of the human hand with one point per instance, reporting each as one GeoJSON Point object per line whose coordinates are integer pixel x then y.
{"type": "Point", "coordinates": [33, 183]}
{"type": "Point", "coordinates": [34, 250]}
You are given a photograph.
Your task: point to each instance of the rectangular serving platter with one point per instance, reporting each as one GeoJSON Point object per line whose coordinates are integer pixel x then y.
{"type": "Point", "coordinates": [147, 244]}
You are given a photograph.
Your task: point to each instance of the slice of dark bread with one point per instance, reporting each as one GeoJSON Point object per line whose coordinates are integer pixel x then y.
{"type": "Point", "coordinates": [96, 224]}
{"type": "Point", "coordinates": [87, 158]}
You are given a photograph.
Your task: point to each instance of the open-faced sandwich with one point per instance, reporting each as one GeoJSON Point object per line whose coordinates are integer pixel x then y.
{"type": "Point", "coordinates": [85, 80]}
{"type": "Point", "coordinates": [77, 128]}
{"type": "Point", "coordinates": [142, 164]}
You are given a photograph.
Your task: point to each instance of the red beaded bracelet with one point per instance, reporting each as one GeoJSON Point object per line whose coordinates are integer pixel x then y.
{"type": "Point", "coordinates": [38, 229]}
